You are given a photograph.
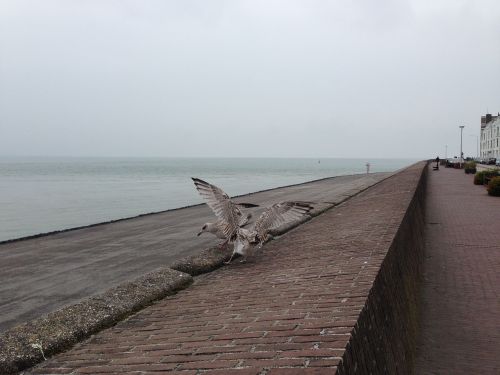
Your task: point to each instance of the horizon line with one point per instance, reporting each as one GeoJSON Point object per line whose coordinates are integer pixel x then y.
{"type": "Point", "coordinates": [205, 157]}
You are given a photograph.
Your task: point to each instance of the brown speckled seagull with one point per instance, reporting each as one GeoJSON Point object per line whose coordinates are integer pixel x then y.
{"type": "Point", "coordinates": [229, 225]}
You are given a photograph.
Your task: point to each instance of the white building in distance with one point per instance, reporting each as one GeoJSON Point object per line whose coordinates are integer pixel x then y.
{"type": "Point", "coordinates": [490, 136]}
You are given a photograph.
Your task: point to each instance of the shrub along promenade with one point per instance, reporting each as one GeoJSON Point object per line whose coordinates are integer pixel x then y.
{"type": "Point", "coordinates": [338, 293]}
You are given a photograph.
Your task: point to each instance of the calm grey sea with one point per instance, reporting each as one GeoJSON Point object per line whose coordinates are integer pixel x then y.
{"type": "Point", "coordinates": [43, 195]}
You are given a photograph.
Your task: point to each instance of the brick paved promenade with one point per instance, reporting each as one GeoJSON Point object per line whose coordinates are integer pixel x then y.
{"type": "Point", "coordinates": [291, 310]}
{"type": "Point", "coordinates": [461, 291]}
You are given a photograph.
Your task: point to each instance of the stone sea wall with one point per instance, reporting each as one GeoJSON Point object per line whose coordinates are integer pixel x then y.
{"type": "Point", "coordinates": [383, 340]}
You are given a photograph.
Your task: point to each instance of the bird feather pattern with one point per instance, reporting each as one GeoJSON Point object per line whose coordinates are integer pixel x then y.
{"type": "Point", "coordinates": [229, 215]}
{"type": "Point", "coordinates": [279, 214]}
{"type": "Point", "coordinates": [231, 220]}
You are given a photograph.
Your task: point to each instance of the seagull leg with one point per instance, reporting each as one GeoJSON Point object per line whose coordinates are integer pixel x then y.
{"type": "Point", "coordinates": [230, 259]}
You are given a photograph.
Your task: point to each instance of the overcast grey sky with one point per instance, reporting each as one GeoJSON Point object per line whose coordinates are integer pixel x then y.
{"type": "Point", "coordinates": [345, 78]}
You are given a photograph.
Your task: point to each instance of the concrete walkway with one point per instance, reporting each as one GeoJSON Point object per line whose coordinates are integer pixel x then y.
{"type": "Point", "coordinates": [460, 330]}
{"type": "Point", "coordinates": [42, 274]}
{"type": "Point", "coordinates": [290, 310]}
{"type": "Point", "coordinates": [484, 167]}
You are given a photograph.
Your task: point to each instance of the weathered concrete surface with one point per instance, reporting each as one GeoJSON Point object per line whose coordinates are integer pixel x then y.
{"type": "Point", "coordinates": [205, 261]}
{"type": "Point", "coordinates": [292, 309]}
{"type": "Point", "coordinates": [63, 328]}
{"type": "Point", "coordinates": [42, 274]}
{"type": "Point", "coordinates": [460, 329]}
{"type": "Point", "coordinates": [483, 167]}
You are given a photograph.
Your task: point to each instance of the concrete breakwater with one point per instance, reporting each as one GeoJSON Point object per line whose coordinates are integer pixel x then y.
{"type": "Point", "coordinates": [337, 293]}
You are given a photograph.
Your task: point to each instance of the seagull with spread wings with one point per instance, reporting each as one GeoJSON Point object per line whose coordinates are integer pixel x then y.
{"type": "Point", "coordinates": [230, 219]}
{"type": "Point", "coordinates": [224, 208]}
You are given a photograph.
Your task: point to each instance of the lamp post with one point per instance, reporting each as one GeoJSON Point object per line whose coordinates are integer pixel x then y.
{"type": "Point", "coordinates": [461, 152]}
{"type": "Point", "coordinates": [446, 152]}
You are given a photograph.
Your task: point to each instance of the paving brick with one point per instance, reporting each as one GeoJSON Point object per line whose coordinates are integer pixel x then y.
{"type": "Point", "coordinates": [324, 362]}
{"type": "Point", "coordinates": [271, 363]}
{"type": "Point", "coordinates": [247, 355]}
{"type": "Point", "coordinates": [282, 347]}
{"type": "Point", "coordinates": [312, 353]}
{"type": "Point", "coordinates": [302, 371]}
{"type": "Point", "coordinates": [234, 371]}
{"type": "Point", "coordinates": [155, 347]}
{"type": "Point", "coordinates": [223, 349]}
{"type": "Point", "coordinates": [180, 358]}
{"type": "Point", "coordinates": [208, 365]}
{"type": "Point", "coordinates": [322, 338]}
{"type": "Point", "coordinates": [110, 369]}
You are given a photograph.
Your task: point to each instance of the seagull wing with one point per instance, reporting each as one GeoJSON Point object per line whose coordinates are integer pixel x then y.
{"type": "Point", "coordinates": [227, 212]}
{"type": "Point", "coordinates": [245, 219]}
{"type": "Point", "coordinates": [279, 214]}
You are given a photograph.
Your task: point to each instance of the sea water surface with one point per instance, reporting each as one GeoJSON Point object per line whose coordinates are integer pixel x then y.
{"type": "Point", "coordinates": [39, 195]}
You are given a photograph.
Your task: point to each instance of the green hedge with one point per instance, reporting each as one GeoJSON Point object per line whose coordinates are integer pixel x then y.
{"type": "Point", "coordinates": [494, 187]}
{"type": "Point", "coordinates": [470, 167]}
{"type": "Point", "coordinates": [479, 176]}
